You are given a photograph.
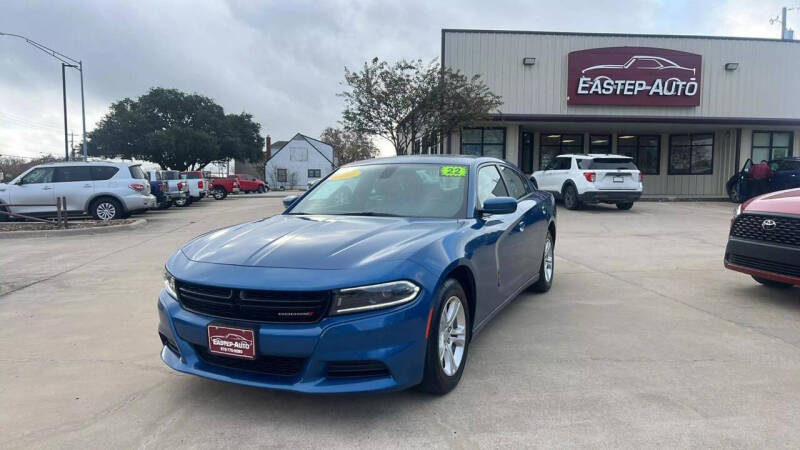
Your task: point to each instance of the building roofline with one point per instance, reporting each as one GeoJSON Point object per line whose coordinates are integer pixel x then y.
{"type": "Point", "coordinates": [636, 35]}
{"type": "Point", "coordinates": [307, 139]}
{"type": "Point", "coordinates": [779, 121]}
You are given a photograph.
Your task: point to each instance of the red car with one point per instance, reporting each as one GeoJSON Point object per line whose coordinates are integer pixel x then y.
{"type": "Point", "coordinates": [764, 240]}
{"type": "Point", "coordinates": [249, 183]}
{"type": "Point", "coordinates": [221, 187]}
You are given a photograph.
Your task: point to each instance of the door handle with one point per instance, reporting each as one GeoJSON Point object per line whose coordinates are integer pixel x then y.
{"type": "Point", "coordinates": [521, 227]}
{"type": "Point", "coordinates": [46, 188]}
{"type": "Point", "coordinates": [87, 185]}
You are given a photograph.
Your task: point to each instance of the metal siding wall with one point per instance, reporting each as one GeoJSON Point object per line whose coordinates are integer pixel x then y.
{"type": "Point", "coordinates": [749, 91]}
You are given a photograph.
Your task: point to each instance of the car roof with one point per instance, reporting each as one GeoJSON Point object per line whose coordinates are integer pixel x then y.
{"type": "Point", "coordinates": [86, 163]}
{"type": "Point", "coordinates": [592, 155]}
{"type": "Point", "coordinates": [467, 160]}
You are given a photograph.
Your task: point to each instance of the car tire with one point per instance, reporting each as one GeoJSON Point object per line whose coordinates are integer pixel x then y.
{"type": "Point", "coordinates": [733, 193]}
{"type": "Point", "coordinates": [772, 283]}
{"type": "Point", "coordinates": [261, 190]}
{"type": "Point", "coordinates": [181, 202]}
{"type": "Point", "coordinates": [440, 375]}
{"type": "Point", "coordinates": [220, 193]}
{"type": "Point", "coordinates": [570, 196]}
{"type": "Point", "coordinates": [547, 270]}
{"type": "Point", "coordinates": [625, 205]}
{"type": "Point", "coordinates": [106, 208]}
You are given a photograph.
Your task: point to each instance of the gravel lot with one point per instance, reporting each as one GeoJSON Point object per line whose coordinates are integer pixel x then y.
{"type": "Point", "coordinates": [644, 340]}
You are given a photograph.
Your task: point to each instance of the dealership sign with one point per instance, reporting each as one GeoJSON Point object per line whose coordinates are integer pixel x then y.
{"type": "Point", "coordinates": [637, 76]}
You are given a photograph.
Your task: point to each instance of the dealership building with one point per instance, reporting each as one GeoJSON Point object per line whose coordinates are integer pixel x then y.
{"type": "Point", "coordinates": [689, 109]}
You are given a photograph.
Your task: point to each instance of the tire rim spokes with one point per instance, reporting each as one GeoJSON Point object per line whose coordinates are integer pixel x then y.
{"type": "Point", "coordinates": [548, 260]}
{"type": "Point", "coordinates": [106, 211]}
{"type": "Point", "coordinates": [452, 335]}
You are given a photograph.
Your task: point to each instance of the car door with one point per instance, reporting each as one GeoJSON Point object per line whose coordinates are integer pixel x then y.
{"type": "Point", "coordinates": [532, 225]}
{"type": "Point", "coordinates": [560, 173]}
{"type": "Point", "coordinates": [36, 187]}
{"type": "Point", "coordinates": [75, 184]}
{"type": "Point", "coordinates": [787, 175]}
{"type": "Point", "coordinates": [510, 243]}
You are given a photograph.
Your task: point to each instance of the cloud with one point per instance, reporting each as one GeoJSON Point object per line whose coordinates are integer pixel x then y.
{"type": "Point", "coordinates": [281, 61]}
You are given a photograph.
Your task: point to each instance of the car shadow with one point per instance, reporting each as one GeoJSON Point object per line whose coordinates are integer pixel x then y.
{"type": "Point", "coordinates": [783, 298]}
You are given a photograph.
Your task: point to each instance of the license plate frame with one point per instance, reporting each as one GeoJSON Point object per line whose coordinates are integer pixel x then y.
{"type": "Point", "coordinates": [231, 342]}
{"type": "Point", "coordinates": [618, 179]}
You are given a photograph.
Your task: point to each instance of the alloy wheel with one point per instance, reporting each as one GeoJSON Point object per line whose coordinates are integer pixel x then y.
{"type": "Point", "coordinates": [548, 260]}
{"type": "Point", "coordinates": [106, 211]}
{"type": "Point", "coordinates": [452, 335]}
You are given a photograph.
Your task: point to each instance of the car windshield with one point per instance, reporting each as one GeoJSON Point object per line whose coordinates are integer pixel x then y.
{"type": "Point", "coordinates": [171, 175]}
{"type": "Point", "coordinates": [401, 190]}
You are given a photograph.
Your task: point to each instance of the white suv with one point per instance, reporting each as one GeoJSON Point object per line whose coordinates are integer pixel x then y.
{"type": "Point", "coordinates": [105, 190]}
{"type": "Point", "coordinates": [592, 178]}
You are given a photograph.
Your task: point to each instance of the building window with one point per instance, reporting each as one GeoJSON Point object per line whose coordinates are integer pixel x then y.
{"type": "Point", "coordinates": [484, 142]}
{"type": "Point", "coordinates": [769, 145]}
{"type": "Point", "coordinates": [314, 173]}
{"type": "Point", "coordinates": [282, 177]}
{"type": "Point", "coordinates": [645, 151]}
{"type": "Point", "coordinates": [417, 147]}
{"type": "Point", "coordinates": [552, 145]}
{"type": "Point", "coordinates": [600, 143]}
{"type": "Point", "coordinates": [691, 154]}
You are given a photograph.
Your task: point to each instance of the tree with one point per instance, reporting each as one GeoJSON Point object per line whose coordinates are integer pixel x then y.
{"type": "Point", "coordinates": [175, 130]}
{"type": "Point", "coordinates": [402, 101]}
{"type": "Point", "coordinates": [348, 146]}
{"type": "Point", "coordinates": [12, 166]}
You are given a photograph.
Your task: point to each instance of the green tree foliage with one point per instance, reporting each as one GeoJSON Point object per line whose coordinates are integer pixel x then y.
{"type": "Point", "coordinates": [176, 130]}
{"type": "Point", "coordinates": [407, 99]}
{"type": "Point", "coordinates": [348, 146]}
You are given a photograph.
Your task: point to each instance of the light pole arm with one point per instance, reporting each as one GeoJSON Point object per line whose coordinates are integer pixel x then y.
{"type": "Point", "coordinates": [72, 62]}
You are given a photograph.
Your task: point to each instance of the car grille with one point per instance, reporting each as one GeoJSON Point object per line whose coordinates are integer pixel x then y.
{"type": "Point", "coordinates": [356, 369]}
{"type": "Point", "coordinates": [282, 366]}
{"type": "Point", "coordinates": [765, 265]}
{"type": "Point", "coordinates": [786, 231]}
{"type": "Point", "coordinates": [259, 306]}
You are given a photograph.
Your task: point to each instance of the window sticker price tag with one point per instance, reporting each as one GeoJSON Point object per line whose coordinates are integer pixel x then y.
{"type": "Point", "coordinates": [453, 171]}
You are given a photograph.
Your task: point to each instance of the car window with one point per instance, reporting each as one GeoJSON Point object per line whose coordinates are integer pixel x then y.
{"type": "Point", "coordinates": [789, 164]}
{"type": "Point", "coordinates": [516, 185]}
{"type": "Point", "coordinates": [405, 190]}
{"type": "Point", "coordinates": [40, 175]}
{"type": "Point", "coordinates": [190, 176]}
{"type": "Point", "coordinates": [607, 164]}
{"type": "Point", "coordinates": [563, 163]}
{"type": "Point", "coordinates": [490, 185]}
{"type": "Point", "coordinates": [66, 174]}
{"type": "Point", "coordinates": [137, 172]}
{"type": "Point", "coordinates": [171, 175]}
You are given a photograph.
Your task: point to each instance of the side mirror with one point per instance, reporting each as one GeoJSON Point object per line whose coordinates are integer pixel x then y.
{"type": "Point", "coordinates": [499, 205]}
{"type": "Point", "coordinates": [287, 201]}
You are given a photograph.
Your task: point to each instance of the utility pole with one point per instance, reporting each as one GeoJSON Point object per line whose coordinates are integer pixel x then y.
{"type": "Point", "coordinates": [786, 33]}
{"type": "Point", "coordinates": [64, 91]}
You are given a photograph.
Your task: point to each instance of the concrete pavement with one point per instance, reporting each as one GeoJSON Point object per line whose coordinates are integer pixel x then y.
{"type": "Point", "coordinates": [644, 340]}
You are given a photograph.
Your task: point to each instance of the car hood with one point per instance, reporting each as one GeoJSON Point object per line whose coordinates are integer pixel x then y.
{"type": "Point", "coordinates": [781, 202]}
{"type": "Point", "coordinates": [317, 242]}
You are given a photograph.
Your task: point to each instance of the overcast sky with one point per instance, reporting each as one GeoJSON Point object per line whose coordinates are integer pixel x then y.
{"type": "Point", "coordinates": [281, 61]}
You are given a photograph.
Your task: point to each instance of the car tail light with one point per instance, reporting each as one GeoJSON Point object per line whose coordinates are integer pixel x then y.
{"type": "Point", "coordinates": [641, 177]}
{"type": "Point", "coordinates": [590, 176]}
{"type": "Point", "coordinates": [180, 186]}
{"type": "Point", "coordinates": [200, 184]}
{"type": "Point", "coordinates": [235, 184]}
{"type": "Point", "coordinates": [138, 188]}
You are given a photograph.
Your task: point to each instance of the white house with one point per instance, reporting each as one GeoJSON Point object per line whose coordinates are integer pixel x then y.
{"type": "Point", "coordinates": [297, 162]}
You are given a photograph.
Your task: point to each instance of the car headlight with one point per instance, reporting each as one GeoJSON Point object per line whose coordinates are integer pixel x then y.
{"type": "Point", "coordinates": [376, 296]}
{"type": "Point", "coordinates": [169, 284]}
{"type": "Point", "coordinates": [737, 211]}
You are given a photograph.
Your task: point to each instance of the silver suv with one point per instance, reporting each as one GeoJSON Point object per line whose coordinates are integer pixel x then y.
{"type": "Point", "coordinates": [104, 190]}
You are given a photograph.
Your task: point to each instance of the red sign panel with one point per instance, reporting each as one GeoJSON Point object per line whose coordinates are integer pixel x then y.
{"type": "Point", "coordinates": [635, 76]}
{"type": "Point", "coordinates": [235, 342]}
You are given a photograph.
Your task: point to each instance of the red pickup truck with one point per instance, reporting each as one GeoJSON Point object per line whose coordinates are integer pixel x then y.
{"type": "Point", "coordinates": [221, 187]}
{"type": "Point", "coordinates": [249, 183]}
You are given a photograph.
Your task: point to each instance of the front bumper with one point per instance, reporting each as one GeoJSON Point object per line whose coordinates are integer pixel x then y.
{"type": "Point", "coordinates": [610, 196]}
{"type": "Point", "coordinates": [763, 259]}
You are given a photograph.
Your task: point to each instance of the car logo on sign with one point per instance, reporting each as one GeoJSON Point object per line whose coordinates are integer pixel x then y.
{"type": "Point", "coordinates": [768, 225]}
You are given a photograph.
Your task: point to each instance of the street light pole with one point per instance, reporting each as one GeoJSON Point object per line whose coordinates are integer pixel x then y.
{"type": "Point", "coordinates": [66, 61]}
{"type": "Point", "coordinates": [64, 91]}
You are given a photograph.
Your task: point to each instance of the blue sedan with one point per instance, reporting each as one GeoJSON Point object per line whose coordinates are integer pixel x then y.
{"type": "Point", "coordinates": [377, 279]}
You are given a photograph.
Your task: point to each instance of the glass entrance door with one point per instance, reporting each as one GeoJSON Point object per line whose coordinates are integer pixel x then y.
{"type": "Point", "coordinates": [526, 158]}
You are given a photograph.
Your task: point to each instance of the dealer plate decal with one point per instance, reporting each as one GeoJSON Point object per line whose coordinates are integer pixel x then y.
{"type": "Point", "coordinates": [234, 342]}
{"type": "Point", "coordinates": [453, 171]}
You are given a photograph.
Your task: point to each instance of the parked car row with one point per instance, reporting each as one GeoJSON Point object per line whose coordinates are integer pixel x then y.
{"type": "Point", "coordinates": [111, 190]}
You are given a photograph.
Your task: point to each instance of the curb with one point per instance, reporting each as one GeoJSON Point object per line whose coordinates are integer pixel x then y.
{"type": "Point", "coordinates": [277, 194]}
{"type": "Point", "coordinates": [685, 199]}
{"type": "Point", "coordinates": [138, 223]}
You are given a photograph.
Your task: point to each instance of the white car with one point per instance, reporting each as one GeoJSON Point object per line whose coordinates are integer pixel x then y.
{"type": "Point", "coordinates": [104, 190]}
{"type": "Point", "coordinates": [592, 178]}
